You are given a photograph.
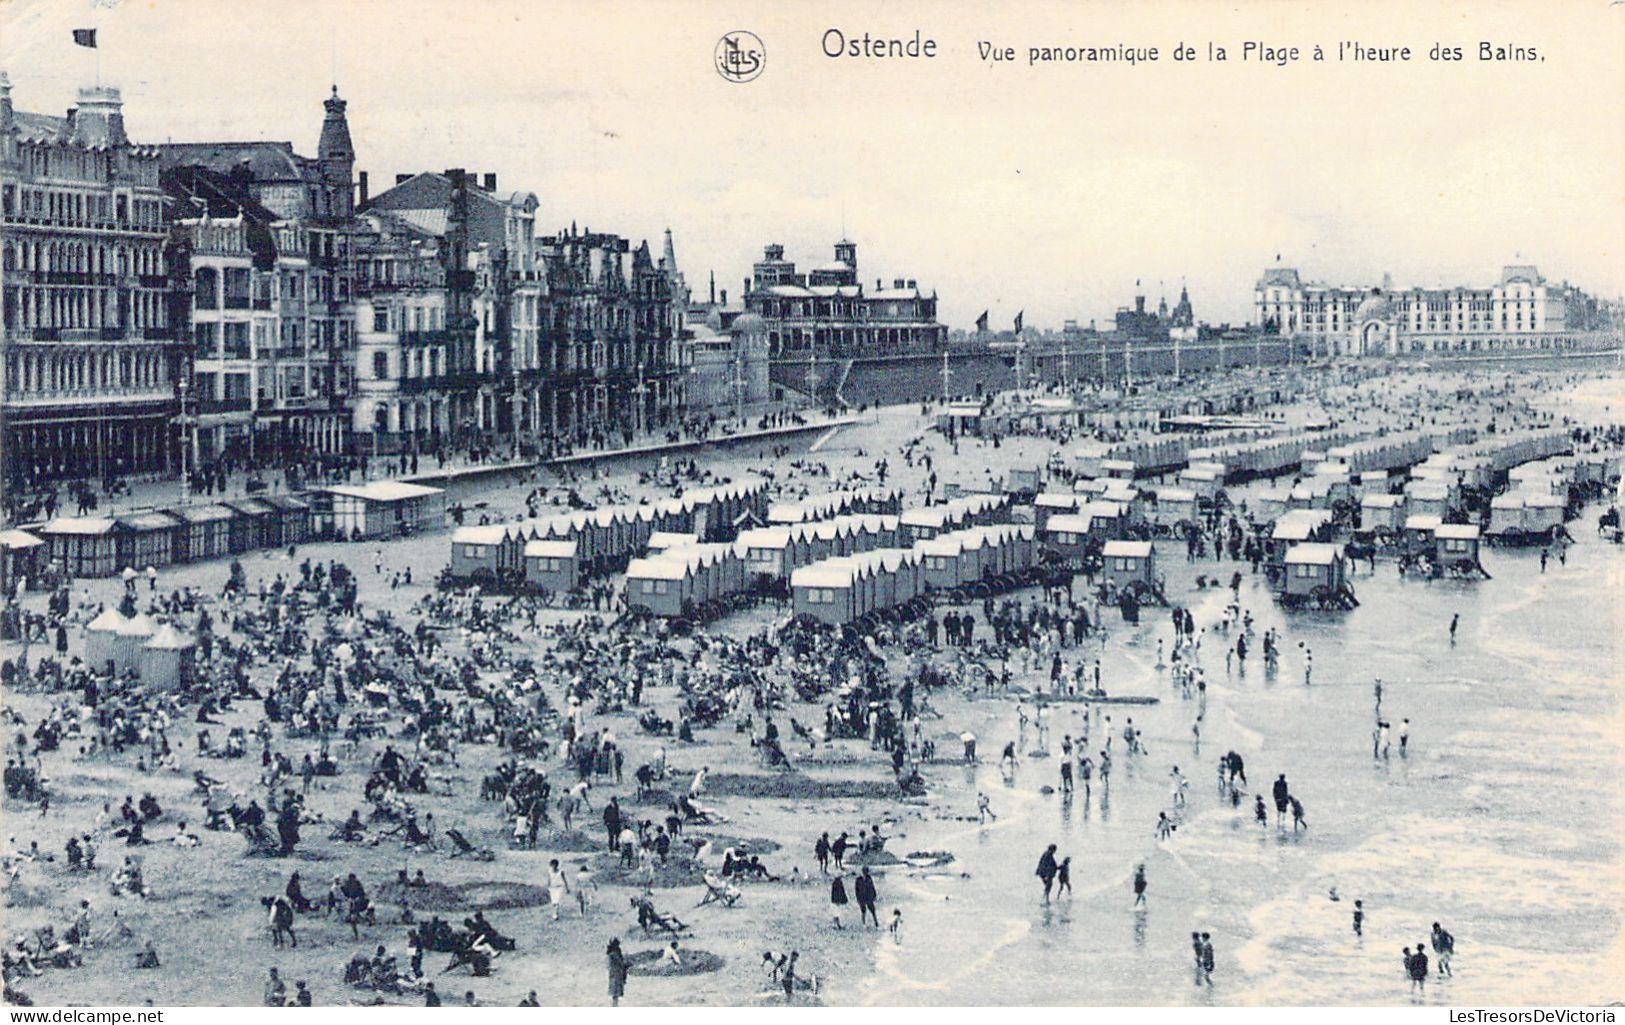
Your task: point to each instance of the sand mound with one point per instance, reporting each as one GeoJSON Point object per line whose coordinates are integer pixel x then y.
{"type": "Point", "coordinates": [484, 895]}
{"type": "Point", "coordinates": [678, 870]}
{"type": "Point", "coordinates": [652, 962]}
{"type": "Point", "coordinates": [796, 785]}
{"type": "Point", "coordinates": [572, 840]}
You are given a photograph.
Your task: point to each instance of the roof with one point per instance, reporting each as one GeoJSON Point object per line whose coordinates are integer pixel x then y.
{"type": "Point", "coordinates": [250, 506]}
{"type": "Point", "coordinates": [1127, 549]}
{"type": "Point", "coordinates": [147, 521]}
{"type": "Point", "coordinates": [78, 525]}
{"type": "Point", "coordinates": [170, 639]}
{"type": "Point", "coordinates": [671, 539]}
{"type": "Point", "coordinates": [821, 574]}
{"type": "Point", "coordinates": [485, 534]}
{"type": "Point", "coordinates": [1175, 495]}
{"type": "Point", "coordinates": [285, 502]}
{"type": "Point", "coordinates": [110, 619]}
{"type": "Point", "coordinates": [18, 539]}
{"type": "Point", "coordinates": [384, 490]}
{"type": "Point", "coordinates": [656, 569]}
{"type": "Point", "coordinates": [202, 513]}
{"type": "Point", "coordinates": [1068, 524]}
{"type": "Point", "coordinates": [1457, 531]}
{"type": "Point", "coordinates": [268, 161]}
{"type": "Point", "coordinates": [542, 549]}
{"type": "Point", "coordinates": [138, 625]}
{"type": "Point", "coordinates": [1381, 500]}
{"type": "Point", "coordinates": [1423, 522]}
{"type": "Point", "coordinates": [1311, 555]}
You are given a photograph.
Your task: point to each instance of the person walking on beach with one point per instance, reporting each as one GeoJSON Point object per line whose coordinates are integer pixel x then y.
{"type": "Point", "coordinates": [863, 888]}
{"type": "Point", "coordinates": [1444, 947]}
{"type": "Point", "coordinates": [1196, 958]}
{"type": "Point", "coordinates": [1282, 795]}
{"type": "Point", "coordinates": [1455, 620]}
{"type": "Point", "coordinates": [617, 971]}
{"type": "Point", "coordinates": [1417, 965]}
{"type": "Point", "coordinates": [557, 887]}
{"type": "Point", "coordinates": [1139, 884]}
{"type": "Point", "coordinates": [1086, 769]}
{"type": "Point", "coordinates": [1261, 815]}
{"type": "Point", "coordinates": [838, 851]}
{"type": "Point", "coordinates": [984, 809]}
{"type": "Point", "coordinates": [1047, 869]}
{"type": "Point", "coordinates": [1063, 878]}
{"type": "Point", "coordinates": [1066, 775]}
{"type": "Point", "coordinates": [1207, 959]}
{"type": "Point", "coordinates": [1165, 827]}
{"type": "Point", "coordinates": [1359, 918]}
{"type": "Point", "coordinates": [821, 852]}
{"type": "Point", "coordinates": [1404, 736]}
{"type": "Point", "coordinates": [837, 897]}
{"type": "Point", "coordinates": [1297, 814]}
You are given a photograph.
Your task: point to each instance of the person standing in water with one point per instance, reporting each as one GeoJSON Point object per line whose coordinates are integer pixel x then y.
{"type": "Point", "coordinates": [1455, 620]}
{"type": "Point", "coordinates": [1359, 918]}
{"type": "Point", "coordinates": [1139, 884]}
{"type": "Point", "coordinates": [1048, 869]}
{"type": "Point", "coordinates": [1444, 947]}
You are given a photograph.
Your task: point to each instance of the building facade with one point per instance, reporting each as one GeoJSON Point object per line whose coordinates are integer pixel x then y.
{"type": "Point", "coordinates": [298, 361]}
{"type": "Point", "coordinates": [89, 357]}
{"type": "Point", "coordinates": [1521, 311]}
{"type": "Point", "coordinates": [827, 312]}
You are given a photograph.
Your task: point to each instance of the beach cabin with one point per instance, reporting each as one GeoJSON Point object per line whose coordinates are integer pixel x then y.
{"type": "Point", "coordinates": [1420, 530]}
{"type": "Point", "coordinates": [823, 592]}
{"type": "Point", "coordinates": [1313, 571]}
{"type": "Point", "coordinates": [1129, 562]}
{"type": "Point", "coordinates": [1107, 520]}
{"type": "Point", "coordinates": [1067, 537]}
{"type": "Point", "coordinates": [1456, 546]}
{"type": "Point", "coordinates": [1428, 498]}
{"type": "Point", "coordinates": [386, 508]}
{"type": "Point", "coordinates": [960, 418]}
{"type": "Point", "coordinates": [1383, 512]}
{"type": "Point", "coordinates": [85, 546]}
{"type": "Point", "coordinates": [101, 639]}
{"type": "Point", "coordinates": [550, 566]}
{"type": "Point", "coordinates": [940, 560]}
{"type": "Point", "coordinates": [1506, 515]}
{"type": "Point", "coordinates": [129, 637]}
{"type": "Point", "coordinates": [1173, 507]}
{"type": "Point", "coordinates": [922, 524]}
{"type": "Point", "coordinates": [1117, 469]}
{"type": "Point", "coordinates": [22, 558]}
{"type": "Point", "coordinates": [1543, 514]}
{"type": "Point", "coordinates": [662, 586]}
{"type": "Point", "coordinates": [1205, 479]}
{"type": "Point", "coordinates": [146, 539]}
{"type": "Point", "coordinates": [485, 552]}
{"type": "Point", "coordinates": [204, 532]}
{"type": "Point", "coordinates": [290, 520]}
{"type": "Point", "coordinates": [168, 660]}
{"type": "Point", "coordinates": [250, 527]}
{"type": "Point", "coordinates": [1023, 480]}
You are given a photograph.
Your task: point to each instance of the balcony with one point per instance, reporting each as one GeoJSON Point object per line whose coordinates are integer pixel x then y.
{"type": "Point", "coordinates": [232, 405]}
{"type": "Point", "coordinates": [237, 302]}
{"type": "Point", "coordinates": [425, 337]}
{"type": "Point", "coordinates": [444, 382]}
{"type": "Point", "coordinates": [153, 281]}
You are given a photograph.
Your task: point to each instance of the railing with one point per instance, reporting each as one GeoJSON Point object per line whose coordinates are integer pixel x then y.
{"type": "Point", "coordinates": [237, 302]}
{"type": "Point", "coordinates": [236, 405]}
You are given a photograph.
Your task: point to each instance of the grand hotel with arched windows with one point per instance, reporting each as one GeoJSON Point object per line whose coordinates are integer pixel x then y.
{"type": "Point", "coordinates": [1521, 312]}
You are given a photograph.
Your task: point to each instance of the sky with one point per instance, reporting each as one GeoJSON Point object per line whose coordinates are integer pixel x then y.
{"type": "Point", "coordinates": [1049, 188]}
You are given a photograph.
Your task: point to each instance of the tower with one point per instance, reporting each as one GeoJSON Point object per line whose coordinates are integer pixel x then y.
{"type": "Point", "coordinates": [847, 252]}
{"type": "Point", "coordinates": [335, 157]}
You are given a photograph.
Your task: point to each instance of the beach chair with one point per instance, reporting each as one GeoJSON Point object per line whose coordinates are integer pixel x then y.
{"type": "Point", "coordinates": [650, 917]}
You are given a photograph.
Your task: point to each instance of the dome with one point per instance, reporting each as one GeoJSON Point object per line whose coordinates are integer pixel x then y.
{"type": "Point", "coordinates": [749, 324]}
{"type": "Point", "coordinates": [1375, 307]}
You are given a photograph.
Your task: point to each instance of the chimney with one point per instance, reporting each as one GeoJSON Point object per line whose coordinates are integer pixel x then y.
{"type": "Point", "coordinates": [401, 179]}
{"type": "Point", "coordinates": [897, 283]}
{"type": "Point", "coordinates": [490, 182]}
{"type": "Point", "coordinates": [361, 186]}
{"type": "Point", "coordinates": [724, 297]}
{"type": "Point", "coordinates": [912, 283]}
{"type": "Point", "coordinates": [744, 288]}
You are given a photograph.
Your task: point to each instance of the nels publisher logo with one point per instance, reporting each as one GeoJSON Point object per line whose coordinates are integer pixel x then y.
{"type": "Point", "coordinates": [740, 56]}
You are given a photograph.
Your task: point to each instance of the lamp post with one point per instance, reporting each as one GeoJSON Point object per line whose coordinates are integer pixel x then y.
{"type": "Point", "coordinates": [181, 423]}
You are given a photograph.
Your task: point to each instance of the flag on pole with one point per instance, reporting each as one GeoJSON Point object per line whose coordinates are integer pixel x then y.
{"type": "Point", "coordinates": [85, 37]}
{"type": "Point", "coordinates": [981, 322]}
{"type": "Point", "coordinates": [1018, 322]}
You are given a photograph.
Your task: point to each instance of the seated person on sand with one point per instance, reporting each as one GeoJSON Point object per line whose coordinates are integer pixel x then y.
{"type": "Point", "coordinates": [649, 916]}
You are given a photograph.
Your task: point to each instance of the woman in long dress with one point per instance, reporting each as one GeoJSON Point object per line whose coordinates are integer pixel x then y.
{"type": "Point", "coordinates": [837, 898]}
{"type": "Point", "coordinates": [617, 972]}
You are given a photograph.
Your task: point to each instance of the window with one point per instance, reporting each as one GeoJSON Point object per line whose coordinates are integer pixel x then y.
{"type": "Point", "coordinates": [380, 318]}
{"type": "Point", "coordinates": [474, 551]}
{"type": "Point", "coordinates": [1304, 570]}
{"type": "Point", "coordinates": [1125, 565]}
{"type": "Point", "coordinates": [380, 366]}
